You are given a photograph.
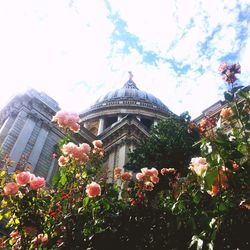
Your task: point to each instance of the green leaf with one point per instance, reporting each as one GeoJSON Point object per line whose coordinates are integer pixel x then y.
{"type": "Point", "coordinates": [196, 197]}
{"type": "Point", "coordinates": [222, 207]}
{"type": "Point", "coordinates": [55, 180]}
{"type": "Point", "coordinates": [63, 178]}
{"type": "Point", "coordinates": [3, 173]}
{"type": "Point", "coordinates": [210, 177]}
{"type": "Point", "coordinates": [86, 201]}
{"type": "Point", "coordinates": [228, 96]}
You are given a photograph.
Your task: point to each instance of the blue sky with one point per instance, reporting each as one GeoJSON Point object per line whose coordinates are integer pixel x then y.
{"type": "Point", "coordinates": [77, 50]}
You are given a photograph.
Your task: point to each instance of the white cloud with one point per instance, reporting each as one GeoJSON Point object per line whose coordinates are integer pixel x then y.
{"type": "Point", "coordinates": [65, 50]}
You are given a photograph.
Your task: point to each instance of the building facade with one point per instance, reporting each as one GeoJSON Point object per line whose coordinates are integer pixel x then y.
{"type": "Point", "coordinates": [121, 119]}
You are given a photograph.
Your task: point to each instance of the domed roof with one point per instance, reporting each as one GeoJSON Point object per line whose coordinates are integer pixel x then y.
{"type": "Point", "coordinates": [130, 92]}
{"type": "Point", "coordinates": [128, 99]}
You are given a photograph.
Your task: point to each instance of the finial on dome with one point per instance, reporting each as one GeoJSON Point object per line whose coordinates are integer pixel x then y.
{"type": "Point", "coordinates": [130, 75]}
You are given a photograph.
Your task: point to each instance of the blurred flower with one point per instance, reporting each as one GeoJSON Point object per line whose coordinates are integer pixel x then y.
{"type": "Point", "coordinates": [97, 143]}
{"type": "Point", "coordinates": [198, 165]}
{"type": "Point", "coordinates": [23, 178]}
{"type": "Point", "coordinates": [214, 191]}
{"type": "Point", "coordinates": [67, 120]}
{"type": "Point", "coordinates": [37, 182]}
{"type": "Point", "coordinates": [93, 190]}
{"type": "Point", "coordinates": [126, 176]}
{"type": "Point", "coordinates": [10, 188]}
{"type": "Point", "coordinates": [165, 171]}
{"type": "Point", "coordinates": [226, 112]}
{"type": "Point", "coordinates": [62, 161]}
{"type": "Point", "coordinates": [117, 172]}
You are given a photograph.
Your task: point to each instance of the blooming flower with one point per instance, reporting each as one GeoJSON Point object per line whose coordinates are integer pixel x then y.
{"type": "Point", "coordinates": [139, 176]}
{"type": "Point", "coordinates": [198, 165]}
{"type": "Point", "coordinates": [62, 161]}
{"type": "Point", "coordinates": [85, 148]}
{"type": "Point", "coordinates": [23, 178]}
{"type": "Point", "coordinates": [79, 153]}
{"type": "Point", "coordinates": [93, 190]}
{"type": "Point", "coordinates": [97, 143]}
{"type": "Point", "coordinates": [10, 188]}
{"type": "Point", "coordinates": [37, 182]}
{"type": "Point", "coordinates": [155, 179]}
{"type": "Point", "coordinates": [148, 186]}
{"type": "Point", "coordinates": [226, 112]}
{"type": "Point", "coordinates": [168, 171]}
{"type": "Point", "coordinates": [67, 120]}
{"type": "Point", "coordinates": [126, 176]}
{"type": "Point", "coordinates": [117, 172]}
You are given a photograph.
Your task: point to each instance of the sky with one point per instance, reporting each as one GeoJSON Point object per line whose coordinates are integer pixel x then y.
{"type": "Point", "coordinates": [77, 50]}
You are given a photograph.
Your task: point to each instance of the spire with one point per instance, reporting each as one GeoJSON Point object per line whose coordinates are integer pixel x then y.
{"type": "Point", "coordinates": [130, 84]}
{"type": "Point", "coordinates": [130, 75]}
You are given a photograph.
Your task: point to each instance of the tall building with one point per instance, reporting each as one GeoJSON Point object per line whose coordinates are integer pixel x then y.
{"type": "Point", "coordinates": [121, 119]}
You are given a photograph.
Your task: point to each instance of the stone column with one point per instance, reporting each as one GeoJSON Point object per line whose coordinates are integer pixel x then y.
{"type": "Point", "coordinates": [155, 122]}
{"type": "Point", "coordinates": [6, 127]}
{"type": "Point", "coordinates": [111, 162]}
{"type": "Point", "coordinates": [85, 124]}
{"type": "Point", "coordinates": [101, 126]}
{"type": "Point", "coordinates": [51, 168]}
{"type": "Point", "coordinates": [38, 147]}
{"type": "Point", "coordinates": [122, 155]}
{"type": "Point", "coordinates": [22, 140]}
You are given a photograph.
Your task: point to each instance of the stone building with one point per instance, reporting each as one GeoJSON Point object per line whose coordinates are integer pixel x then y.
{"type": "Point", "coordinates": [121, 119]}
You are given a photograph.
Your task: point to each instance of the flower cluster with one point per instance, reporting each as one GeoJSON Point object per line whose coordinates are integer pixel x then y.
{"type": "Point", "coordinates": [228, 71]}
{"type": "Point", "coordinates": [206, 123]}
{"type": "Point", "coordinates": [78, 153]}
{"type": "Point", "coordinates": [124, 176]}
{"type": "Point", "coordinates": [165, 171]}
{"type": "Point", "coordinates": [98, 147]}
{"type": "Point", "coordinates": [198, 165]}
{"type": "Point", "coordinates": [148, 177]}
{"type": "Point", "coordinates": [67, 120]}
{"type": "Point", "coordinates": [23, 179]}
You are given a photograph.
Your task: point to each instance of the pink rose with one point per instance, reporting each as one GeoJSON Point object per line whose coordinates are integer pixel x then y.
{"type": "Point", "coordinates": [155, 179]}
{"type": "Point", "coordinates": [85, 148]}
{"type": "Point", "coordinates": [62, 161]}
{"type": "Point", "coordinates": [139, 176]}
{"type": "Point", "coordinates": [93, 190]}
{"type": "Point", "coordinates": [97, 143]}
{"type": "Point", "coordinates": [75, 127]}
{"type": "Point", "coordinates": [10, 188]}
{"type": "Point", "coordinates": [198, 165]}
{"type": "Point", "coordinates": [117, 172]}
{"type": "Point", "coordinates": [168, 171]}
{"type": "Point", "coordinates": [148, 186]}
{"type": "Point", "coordinates": [67, 120]}
{"type": "Point", "coordinates": [69, 148]}
{"type": "Point", "coordinates": [126, 176]}
{"type": "Point", "coordinates": [153, 171]}
{"type": "Point", "coordinates": [37, 182]}
{"type": "Point", "coordinates": [23, 178]}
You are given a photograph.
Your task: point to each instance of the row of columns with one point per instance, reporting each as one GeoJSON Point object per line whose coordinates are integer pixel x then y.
{"type": "Point", "coordinates": [102, 123]}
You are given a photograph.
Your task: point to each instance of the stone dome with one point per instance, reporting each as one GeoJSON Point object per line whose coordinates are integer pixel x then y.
{"type": "Point", "coordinates": [117, 105]}
{"type": "Point", "coordinates": [129, 94]}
